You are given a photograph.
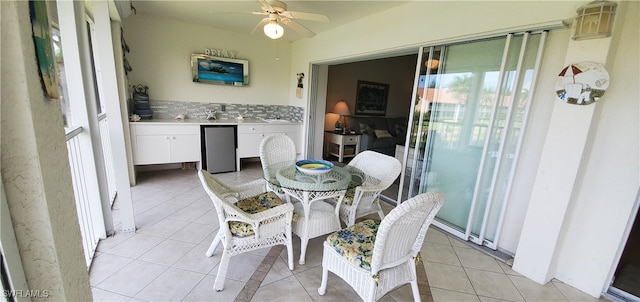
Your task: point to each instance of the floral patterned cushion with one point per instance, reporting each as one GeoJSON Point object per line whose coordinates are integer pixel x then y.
{"type": "Point", "coordinates": [356, 242]}
{"type": "Point", "coordinates": [252, 205]}
{"type": "Point", "coordinates": [348, 197]}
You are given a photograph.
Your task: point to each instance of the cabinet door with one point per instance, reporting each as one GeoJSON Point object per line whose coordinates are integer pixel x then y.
{"type": "Point", "coordinates": [292, 131]}
{"type": "Point", "coordinates": [185, 148]}
{"type": "Point", "coordinates": [249, 144]}
{"type": "Point", "coordinates": [152, 149]}
{"type": "Point", "coordinates": [249, 139]}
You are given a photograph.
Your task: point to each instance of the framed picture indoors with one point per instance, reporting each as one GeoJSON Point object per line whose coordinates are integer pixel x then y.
{"type": "Point", "coordinates": [371, 98]}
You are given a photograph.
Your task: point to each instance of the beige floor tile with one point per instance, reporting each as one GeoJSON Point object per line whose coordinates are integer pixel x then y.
{"type": "Point", "coordinates": [176, 223]}
{"type": "Point", "coordinates": [279, 271]}
{"type": "Point", "coordinates": [188, 213]}
{"type": "Point", "coordinates": [472, 258]}
{"type": "Point", "coordinates": [144, 221]}
{"type": "Point", "coordinates": [209, 218]}
{"type": "Point", "coordinates": [487, 299]}
{"type": "Point", "coordinates": [196, 261]}
{"type": "Point", "coordinates": [457, 242]}
{"type": "Point", "coordinates": [337, 289]}
{"type": "Point", "coordinates": [313, 256]}
{"type": "Point", "coordinates": [204, 291]}
{"type": "Point", "coordinates": [493, 285]}
{"type": "Point", "coordinates": [241, 267]}
{"type": "Point", "coordinates": [135, 246]}
{"type": "Point", "coordinates": [288, 289]}
{"type": "Point", "coordinates": [162, 195]}
{"type": "Point", "coordinates": [144, 204]}
{"type": "Point", "coordinates": [440, 253]}
{"type": "Point", "coordinates": [189, 198]}
{"type": "Point", "coordinates": [163, 210]}
{"type": "Point", "coordinates": [573, 294]}
{"type": "Point", "coordinates": [172, 285]}
{"type": "Point", "coordinates": [203, 202]}
{"type": "Point", "coordinates": [132, 279]}
{"type": "Point", "coordinates": [167, 252]}
{"type": "Point", "coordinates": [400, 294]}
{"type": "Point", "coordinates": [443, 295]}
{"type": "Point", "coordinates": [164, 228]}
{"type": "Point", "coordinates": [507, 269]}
{"type": "Point", "coordinates": [105, 265]}
{"type": "Point", "coordinates": [100, 295]}
{"type": "Point", "coordinates": [448, 277]}
{"type": "Point", "coordinates": [532, 291]}
{"type": "Point", "coordinates": [109, 242]}
{"type": "Point", "coordinates": [436, 236]}
{"type": "Point", "coordinates": [194, 232]}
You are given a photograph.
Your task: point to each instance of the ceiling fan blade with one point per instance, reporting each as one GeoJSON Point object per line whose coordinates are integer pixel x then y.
{"type": "Point", "coordinates": [266, 6]}
{"type": "Point", "coordinates": [260, 24]}
{"type": "Point", "coordinates": [297, 27]}
{"type": "Point", "coordinates": [305, 16]}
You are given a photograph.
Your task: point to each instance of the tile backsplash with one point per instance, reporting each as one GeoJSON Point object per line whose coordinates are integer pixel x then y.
{"type": "Point", "coordinates": [192, 110]}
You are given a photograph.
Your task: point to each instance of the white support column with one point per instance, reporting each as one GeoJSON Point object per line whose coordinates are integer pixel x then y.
{"type": "Point", "coordinates": [104, 45]}
{"type": "Point", "coordinates": [79, 75]}
{"type": "Point", "coordinates": [567, 142]}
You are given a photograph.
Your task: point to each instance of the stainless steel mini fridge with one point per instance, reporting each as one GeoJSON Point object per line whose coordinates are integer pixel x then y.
{"type": "Point", "coordinates": [219, 145]}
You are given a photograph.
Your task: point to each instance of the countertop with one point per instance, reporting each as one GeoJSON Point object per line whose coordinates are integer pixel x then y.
{"type": "Point", "coordinates": [214, 122]}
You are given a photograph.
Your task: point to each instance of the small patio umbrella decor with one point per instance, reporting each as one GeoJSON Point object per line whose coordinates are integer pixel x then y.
{"type": "Point", "coordinates": [570, 70]}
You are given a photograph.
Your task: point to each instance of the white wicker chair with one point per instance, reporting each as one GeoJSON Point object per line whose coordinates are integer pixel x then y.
{"type": "Point", "coordinates": [386, 256]}
{"type": "Point", "coordinates": [381, 171]}
{"type": "Point", "coordinates": [262, 229]}
{"type": "Point", "coordinates": [276, 149]}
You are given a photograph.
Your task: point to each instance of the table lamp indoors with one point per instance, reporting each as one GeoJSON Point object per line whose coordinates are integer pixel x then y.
{"type": "Point", "coordinates": [341, 108]}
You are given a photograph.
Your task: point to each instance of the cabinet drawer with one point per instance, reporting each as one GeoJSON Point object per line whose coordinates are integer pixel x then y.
{"type": "Point", "coordinates": [350, 139]}
{"type": "Point", "coordinates": [280, 128]}
{"type": "Point", "coordinates": [166, 129]}
{"type": "Point", "coordinates": [250, 128]}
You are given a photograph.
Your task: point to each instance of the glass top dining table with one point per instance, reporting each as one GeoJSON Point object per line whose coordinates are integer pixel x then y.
{"type": "Point", "coordinates": [317, 216]}
{"type": "Point", "coordinates": [340, 177]}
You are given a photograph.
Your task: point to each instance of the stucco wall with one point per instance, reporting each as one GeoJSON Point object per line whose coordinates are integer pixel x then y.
{"type": "Point", "coordinates": [35, 169]}
{"type": "Point", "coordinates": [160, 58]}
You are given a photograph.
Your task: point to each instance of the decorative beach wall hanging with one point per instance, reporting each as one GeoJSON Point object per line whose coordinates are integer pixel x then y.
{"type": "Point", "coordinates": [582, 83]}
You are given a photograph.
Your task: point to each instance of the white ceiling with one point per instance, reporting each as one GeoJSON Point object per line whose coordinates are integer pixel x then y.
{"type": "Point", "coordinates": [236, 15]}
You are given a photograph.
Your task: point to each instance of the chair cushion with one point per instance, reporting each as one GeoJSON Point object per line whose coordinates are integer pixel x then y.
{"type": "Point", "coordinates": [356, 242]}
{"type": "Point", "coordinates": [252, 205]}
{"type": "Point", "coordinates": [348, 197]}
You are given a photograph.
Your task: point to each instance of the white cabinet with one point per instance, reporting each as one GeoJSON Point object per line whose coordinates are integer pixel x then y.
{"type": "Point", "coordinates": [250, 137]}
{"type": "Point", "coordinates": [163, 144]}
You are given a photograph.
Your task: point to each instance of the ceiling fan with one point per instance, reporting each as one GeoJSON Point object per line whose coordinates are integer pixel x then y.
{"type": "Point", "coordinates": [277, 14]}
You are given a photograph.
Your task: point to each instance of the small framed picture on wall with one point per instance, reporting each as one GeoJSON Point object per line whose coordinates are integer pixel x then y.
{"type": "Point", "coordinates": [371, 98]}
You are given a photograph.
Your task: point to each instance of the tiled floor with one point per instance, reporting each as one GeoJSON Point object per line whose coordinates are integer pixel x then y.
{"type": "Point", "coordinates": [165, 259]}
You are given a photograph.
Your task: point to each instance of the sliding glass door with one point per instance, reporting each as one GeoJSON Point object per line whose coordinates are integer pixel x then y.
{"type": "Point", "coordinates": [470, 106]}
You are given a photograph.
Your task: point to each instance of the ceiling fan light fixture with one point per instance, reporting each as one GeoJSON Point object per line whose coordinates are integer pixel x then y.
{"type": "Point", "coordinates": [273, 30]}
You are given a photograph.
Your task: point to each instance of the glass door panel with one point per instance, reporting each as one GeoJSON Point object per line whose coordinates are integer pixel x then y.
{"type": "Point", "coordinates": [470, 105]}
{"type": "Point", "coordinates": [503, 144]}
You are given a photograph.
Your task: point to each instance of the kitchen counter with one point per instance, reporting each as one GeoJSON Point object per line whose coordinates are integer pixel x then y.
{"type": "Point", "coordinates": [167, 141]}
{"type": "Point", "coordinates": [216, 122]}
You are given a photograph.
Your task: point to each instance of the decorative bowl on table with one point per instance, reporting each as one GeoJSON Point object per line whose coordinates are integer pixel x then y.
{"type": "Point", "coordinates": [314, 166]}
